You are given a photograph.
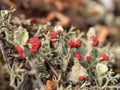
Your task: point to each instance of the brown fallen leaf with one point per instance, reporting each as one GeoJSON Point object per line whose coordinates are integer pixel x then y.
{"type": "Point", "coordinates": [10, 3]}
{"type": "Point", "coordinates": [64, 20]}
{"type": "Point", "coordinates": [59, 5]}
{"type": "Point", "coordinates": [103, 33]}
{"type": "Point", "coordinates": [50, 85]}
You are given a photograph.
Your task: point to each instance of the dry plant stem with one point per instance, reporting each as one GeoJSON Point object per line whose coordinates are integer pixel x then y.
{"type": "Point", "coordinates": [51, 68]}
{"type": "Point", "coordinates": [3, 53]}
{"type": "Point", "coordinates": [36, 76]}
{"type": "Point", "coordinates": [59, 78]}
{"type": "Point", "coordinates": [53, 71]}
{"type": "Point", "coordinates": [2, 50]}
{"type": "Point", "coordinates": [38, 31]}
{"type": "Point", "coordinates": [105, 85]}
{"type": "Point", "coordinates": [9, 18]}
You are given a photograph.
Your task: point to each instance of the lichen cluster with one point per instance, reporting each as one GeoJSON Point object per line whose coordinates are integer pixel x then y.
{"type": "Point", "coordinates": [73, 59]}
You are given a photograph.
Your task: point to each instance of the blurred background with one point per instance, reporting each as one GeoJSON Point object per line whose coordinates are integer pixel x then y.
{"type": "Point", "coordinates": [104, 15]}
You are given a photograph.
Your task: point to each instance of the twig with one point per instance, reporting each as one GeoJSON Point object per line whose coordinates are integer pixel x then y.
{"type": "Point", "coordinates": [105, 85]}
{"type": "Point", "coordinates": [38, 31]}
{"type": "Point", "coordinates": [3, 53]}
{"type": "Point", "coordinates": [51, 68]}
{"type": "Point", "coordinates": [2, 50]}
{"type": "Point", "coordinates": [54, 71]}
{"type": "Point", "coordinates": [36, 75]}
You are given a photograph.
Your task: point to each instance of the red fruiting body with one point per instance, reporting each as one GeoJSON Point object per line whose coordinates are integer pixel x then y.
{"type": "Point", "coordinates": [88, 58]}
{"type": "Point", "coordinates": [35, 44]}
{"type": "Point", "coordinates": [32, 20]}
{"type": "Point", "coordinates": [78, 56]}
{"type": "Point", "coordinates": [71, 44]}
{"type": "Point", "coordinates": [77, 43]}
{"type": "Point", "coordinates": [104, 57]}
{"type": "Point", "coordinates": [81, 78]}
{"type": "Point", "coordinates": [54, 40]}
{"type": "Point", "coordinates": [58, 32]}
{"type": "Point", "coordinates": [53, 35]}
{"type": "Point", "coordinates": [95, 41]}
{"type": "Point", "coordinates": [20, 51]}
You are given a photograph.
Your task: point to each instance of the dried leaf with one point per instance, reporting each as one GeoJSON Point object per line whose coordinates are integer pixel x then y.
{"type": "Point", "coordinates": [103, 33]}
{"type": "Point", "coordinates": [50, 85]}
